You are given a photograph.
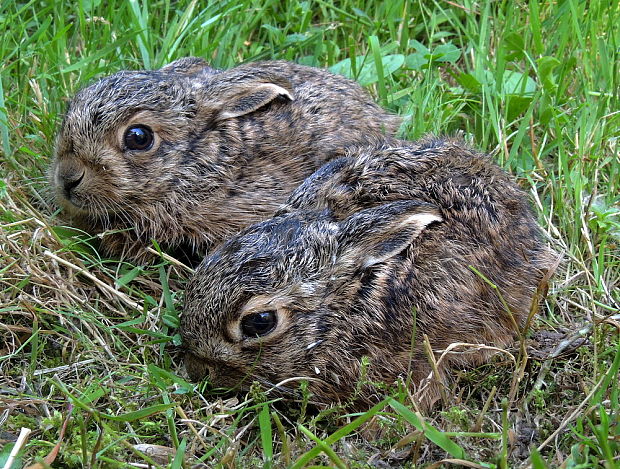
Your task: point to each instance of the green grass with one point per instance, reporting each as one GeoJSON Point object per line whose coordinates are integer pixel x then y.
{"type": "Point", "coordinates": [536, 84]}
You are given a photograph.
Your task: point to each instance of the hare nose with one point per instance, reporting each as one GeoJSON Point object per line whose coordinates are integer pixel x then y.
{"type": "Point", "coordinates": [70, 181]}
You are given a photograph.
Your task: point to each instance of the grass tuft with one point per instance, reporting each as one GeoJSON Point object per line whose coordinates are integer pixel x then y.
{"type": "Point", "coordinates": [90, 344]}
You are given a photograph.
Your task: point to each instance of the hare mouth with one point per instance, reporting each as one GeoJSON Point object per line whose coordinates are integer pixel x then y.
{"type": "Point", "coordinates": [71, 204]}
{"type": "Point", "coordinates": [78, 206]}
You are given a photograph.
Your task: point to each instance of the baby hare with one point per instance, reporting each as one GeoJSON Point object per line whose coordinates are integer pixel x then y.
{"type": "Point", "coordinates": [188, 155]}
{"type": "Point", "coordinates": [375, 250]}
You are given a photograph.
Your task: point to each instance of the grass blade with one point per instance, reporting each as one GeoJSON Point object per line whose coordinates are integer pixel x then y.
{"type": "Point", "coordinates": [4, 126]}
{"type": "Point", "coordinates": [429, 431]}
{"type": "Point", "coordinates": [378, 59]}
{"type": "Point", "coordinates": [341, 433]}
{"type": "Point", "coordinates": [266, 436]}
{"type": "Point", "coordinates": [177, 462]}
{"type": "Point", "coordinates": [323, 446]}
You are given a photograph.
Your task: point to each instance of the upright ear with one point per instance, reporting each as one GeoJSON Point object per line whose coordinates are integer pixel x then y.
{"type": "Point", "coordinates": [375, 235]}
{"type": "Point", "coordinates": [234, 96]}
{"type": "Point", "coordinates": [187, 66]}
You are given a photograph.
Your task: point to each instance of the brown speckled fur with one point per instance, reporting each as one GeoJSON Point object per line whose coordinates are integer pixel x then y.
{"type": "Point", "coordinates": [362, 246]}
{"type": "Point", "coordinates": [230, 147]}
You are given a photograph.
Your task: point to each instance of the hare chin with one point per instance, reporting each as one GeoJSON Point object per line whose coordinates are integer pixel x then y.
{"type": "Point", "coordinates": [80, 209]}
{"type": "Point", "coordinates": [70, 206]}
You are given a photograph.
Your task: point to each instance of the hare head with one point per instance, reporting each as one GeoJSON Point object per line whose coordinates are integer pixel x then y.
{"type": "Point", "coordinates": [285, 301]}
{"type": "Point", "coordinates": [187, 154]}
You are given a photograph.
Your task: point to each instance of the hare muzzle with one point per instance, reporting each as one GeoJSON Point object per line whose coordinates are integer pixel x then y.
{"type": "Point", "coordinates": [197, 368]}
{"type": "Point", "coordinates": [68, 178]}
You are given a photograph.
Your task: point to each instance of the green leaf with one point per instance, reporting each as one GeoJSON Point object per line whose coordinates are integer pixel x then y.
{"type": "Point", "coordinates": [177, 462]}
{"type": "Point", "coordinates": [305, 458]}
{"type": "Point", "coordinates": [419, 47]}
{"type": "Point", "coordinates": [66, 232]}
{"type": "Point", "coordinates": [93, 58]}
{"type": "Point", "coordinates": [469, 82]}
{"type": "Point", "coordinates": [163, 278]}
{"type": "Point", "coordinates": [131, 322]}
{"type": "Point", "coordinates": [171, 316]}
{"type": "Point", "coordinates": [272, 29]}
{"type": "Point", "coordinates": [537, 460]}
{"type": "Point", "coordinates": [323, 446]}
{"type": "Point", "coordinates": [535, 26]}
{"type": "Point", "coordinates": [90, 4]}
{"type": "Point", "coordinates": [128, 417]}
{"type": "Point", "coordinates": [379, 69]}
{"type": "Point", "coordinates": [4, 456]}
{"type": "Point", "coordinates": [295, 38]}
{"type": "Point", "coordinates": [4, 127]}
{"type": "Point", "coordinates": [442, 53]}
{"type": "Point", "coordinates": [514, 45]}
{"type": "Point", "coordinates": [157, 335]}
{"type": "Point", "coordinates": [178, 29]}
{"type": "Point", "coordinates": [546, 65]}
{"type": "Point", "coordinates": [518, 83]}
{"type": "Point", "coordinates": [360, 13]}
{"type": "Point", "coordinates": [416, 61]}
{"type": "Point", "coordinates": [128, 277]}
{"type": "Point", "coordinates": [177, 340]}
{"type": "Point", "coordinates": [446, 53]}
{"type": "Point", "coordinates": [611, 374]}
{"type": "Point", "coordinates": [342, 68]}
{"type": "Point", "coordinates": [164, 378]}
{"type": "Point", "coordinates": [93, 392]}
{"type": "Point", "coordinates": [75, 240]}
{"type": "Point", "coordinates": [368, 73]}
{"type": "Point", "coordinates": [171, 319]}
{"type": "Point", "coordinates": [140, 414]}
{"type": "Point", "coordinates": [516, 105]}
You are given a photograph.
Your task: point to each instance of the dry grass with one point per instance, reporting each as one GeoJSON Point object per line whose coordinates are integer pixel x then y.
{"type": "Point", "coordinates": [71, 332]}
{"type": "Point", "coordinates": [92, 342]}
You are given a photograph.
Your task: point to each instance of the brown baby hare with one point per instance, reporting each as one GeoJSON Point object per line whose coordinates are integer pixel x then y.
{"type": "Point", "coordinates": [372, 252]}
{"type": "Point", "coordinates": [188, 155]}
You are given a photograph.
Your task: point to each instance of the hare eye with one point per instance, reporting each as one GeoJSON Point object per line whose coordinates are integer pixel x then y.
{"type": "Point", "coordinates": [258, 324]}
{"type": "Point", "coordinates": [138, 137]}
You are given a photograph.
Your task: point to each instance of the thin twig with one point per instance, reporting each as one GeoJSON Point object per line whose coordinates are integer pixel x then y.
{"type": "Point", "coordinates": [171, 259]}
{"type": "Point", "coordinates": [476, 347]}
{"type": "Point", "coordinates": [181, 413]}
{"type": "Point", "coordinates": [572, 415]}
{"type": "Point", "coordinates": [124, 298]}
{"type": "Point", "coordinates": [564, 344]}
{"type": "Point", "coordinates": [437, 377]}
{"type": "Point", "coordinates": [478, 425]}
{"type": "Point", "coordinates": [64, 367]}
{"type": "Point", "coordinates": [19, 444]}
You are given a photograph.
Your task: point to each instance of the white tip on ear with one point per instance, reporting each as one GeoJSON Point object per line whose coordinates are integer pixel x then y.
{"type": "Point", "coordinates": [398, 234]}
{"type": "Point", "coordinates": [278, 90]}
{"type": "Point", "coordinates": [251, 98]}
{"type": "Point", "coordinates": [421, 218]}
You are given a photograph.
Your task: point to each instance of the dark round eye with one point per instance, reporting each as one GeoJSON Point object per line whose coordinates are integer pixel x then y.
{"type": "Point", "coordinates": [258, 324]}
{"type": "Point", "coordinates": [138, 137]}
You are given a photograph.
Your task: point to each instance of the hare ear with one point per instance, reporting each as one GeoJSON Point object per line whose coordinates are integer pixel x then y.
{"type": "Point", "coordinates": [375, 235]}
{"type": "Point", "coordinates": [186, 66]}
{"type": "Point", "coordinates": [246, 97]}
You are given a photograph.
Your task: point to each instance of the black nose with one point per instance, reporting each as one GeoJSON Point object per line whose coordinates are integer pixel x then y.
{"type": "Point", "coordinates": [70, 182]}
